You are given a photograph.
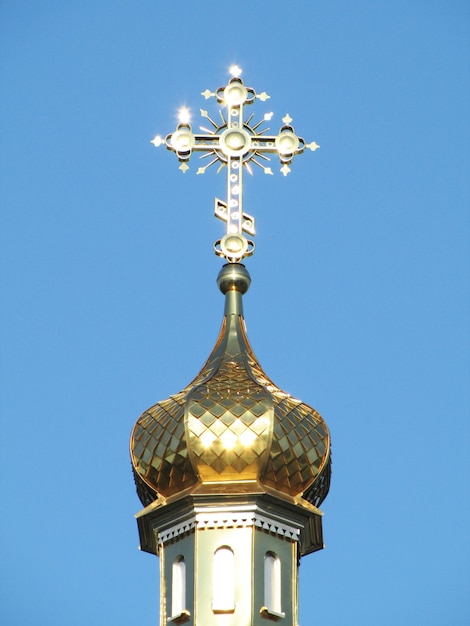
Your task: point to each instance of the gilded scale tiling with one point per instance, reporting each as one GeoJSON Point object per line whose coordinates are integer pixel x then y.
{"type": "Point", "coordinates": [300, 450]}
{"type": "Point", "coordinates": [231, 423]}
{"type": "Point", "coordinates": [159, 452]}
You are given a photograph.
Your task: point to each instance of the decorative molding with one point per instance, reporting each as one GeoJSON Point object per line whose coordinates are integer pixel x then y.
{"type": "Point", "coordinates": [224, 520]}
{"type": "Point", "coordinates": [276, 527]}
{"type": "Point", "coordinates": [218, 520]}
{"type": "Point", "coordinates": [173, 532]}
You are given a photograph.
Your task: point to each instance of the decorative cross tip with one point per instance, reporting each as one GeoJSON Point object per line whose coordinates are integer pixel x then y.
{"type": "Point", "coordinates": [235, 143]}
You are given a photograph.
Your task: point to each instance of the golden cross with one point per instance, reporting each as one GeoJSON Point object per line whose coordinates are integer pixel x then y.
{"type": "Point", "coordinates": [234, 143]}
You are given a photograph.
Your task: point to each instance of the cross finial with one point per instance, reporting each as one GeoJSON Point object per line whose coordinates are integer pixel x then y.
{"type": "Point", "coordinates": [234, 143]}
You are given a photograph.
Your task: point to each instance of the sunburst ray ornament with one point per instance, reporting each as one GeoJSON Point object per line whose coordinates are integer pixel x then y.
{"type": "Point", "coordinates": [235, 143]}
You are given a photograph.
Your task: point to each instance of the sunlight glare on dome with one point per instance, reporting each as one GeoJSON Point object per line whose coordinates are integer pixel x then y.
{"type": "Point", "coordinates": [207, 438]}
{"type": "Point", "coordinates": [248, 438]}
{"type": "Point", "coordinates": [228, 439]}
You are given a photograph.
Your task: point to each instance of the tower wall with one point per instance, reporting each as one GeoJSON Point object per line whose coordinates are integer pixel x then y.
{"type": "Point", "coordinates": [229, 598]}
{"type": "Point", "coordinates": [170, 554]}
{"type": "Point", "coordinates": [224, 576]}
{"type": "Point", "coordinates": [230, 565]}
{"type": "Point", "coordinates": [284, 607]}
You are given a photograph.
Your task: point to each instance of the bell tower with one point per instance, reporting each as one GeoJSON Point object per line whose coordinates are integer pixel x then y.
{"type": "Point", "coordinates": [231, 469]}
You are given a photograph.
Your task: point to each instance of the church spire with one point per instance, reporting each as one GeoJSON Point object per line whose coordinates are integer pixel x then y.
{"type": "Point", "coordinates": [231, 469]}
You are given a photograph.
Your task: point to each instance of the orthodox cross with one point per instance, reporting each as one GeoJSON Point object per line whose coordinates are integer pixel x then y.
{"type": "Point", "coordinates": [235, 143]}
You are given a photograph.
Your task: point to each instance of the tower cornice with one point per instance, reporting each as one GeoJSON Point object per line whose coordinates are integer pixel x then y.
{"type": "Point", "coordinates": [198, 512]}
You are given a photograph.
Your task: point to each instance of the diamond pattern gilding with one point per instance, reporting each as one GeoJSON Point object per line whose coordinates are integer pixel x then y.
{"type": "Point", "coordinates": [299, 430]}
{"type": "Point", "coordinates": [223, 448]}
{"type": "Point", "coordinates": [231, 423]}
{"type": "Point", "coordinates": [156, 431]}
{"type": "Point", "coordinates": [162, 464]}
{"type": "Point", "coordinates": [302, 454]}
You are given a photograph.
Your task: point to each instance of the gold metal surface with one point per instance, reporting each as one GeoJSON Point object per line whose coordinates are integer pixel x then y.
{"type": "Point", "coordinates": [300, 443]}
{"type": "Point", "coordinates": [231, 424]}
{"type": "Point", "coordinates": [158, 447]}
{"type": "Point", "coordinates": [235, 143]}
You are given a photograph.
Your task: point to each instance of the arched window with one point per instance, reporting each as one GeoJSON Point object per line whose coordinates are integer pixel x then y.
{"type": "Point", "coordinates": [223, 582]}
{"type": "Point", "coordinates": [178, 586]}
{"type": "Point", "coordinates": [272, 582]}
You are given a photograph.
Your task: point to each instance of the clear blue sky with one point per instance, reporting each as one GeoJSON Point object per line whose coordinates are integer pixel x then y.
{"type": "Point", "coordinates": [359, 302]}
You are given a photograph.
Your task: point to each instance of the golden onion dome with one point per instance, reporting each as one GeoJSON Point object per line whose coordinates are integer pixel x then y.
{"type": "Point", "coordinates": [231, 428]}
